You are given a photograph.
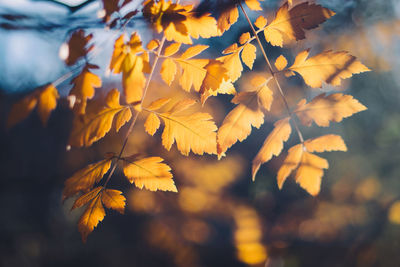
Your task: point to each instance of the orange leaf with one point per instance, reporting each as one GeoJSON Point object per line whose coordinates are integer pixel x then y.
{"type": "Point", "coordinates": [168, 71]}
{"type": "Point", "coordinates": [273, 145]}
{"type": "Point", "coordinates": [172, 49]}
{"type": "Point", "coordinates": [113, 199]}
{"type": "Point", "coordinates": [91, 217]}
{"type": "Point", "coordinates": [84, 179]}
{"type": "Point", "coordinates": [232, 62]}
{"type": "Point", "coordinates": [95, 124]}
{"type": "Point", "coordinates": [323, 109]}
{"type": "Point", "coordinates": [150, 173]}
{"type": "Point", "coordinates": [83, 89]}
{"type": "Point", "coordinates": [227, 19]}
{"type": "Point", "coordinates": [216, 74]}
{"type": "Point", "coordinates": [253, 4]}
{"type": "Point", "coordinates": [281, 63]}
{"type": "Point", "coordinates": [194, 132]}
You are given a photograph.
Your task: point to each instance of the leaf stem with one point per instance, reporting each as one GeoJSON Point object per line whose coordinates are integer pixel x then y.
{"type": "Point", "coordinates": [133, 121]}
{"type": "Point", "coordinates": [273, 74]}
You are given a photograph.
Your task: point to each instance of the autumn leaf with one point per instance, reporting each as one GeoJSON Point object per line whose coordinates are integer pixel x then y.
{"type": "Point", "coordinates": [77, 46]}
{"type": "Point", "coordinates": [193, 73]}
{"type": "Point", "coordinates": [329, 67]}
{"type": "Point", "coordinates": [93, 214]}
{"type": "Point", "coordinates": [291, 23]}
{"type": "Point", "coordinates": [226, 19]}
{"type": "Point", "coordinates": [113, 199]}
{"type": "Point", "coordinates": [330, 142]}
{"type": "Point", "coordinates": [253, 4]}
{"type": "Point", "coordinates": [309, 166]}
{"type": "Point", "coordinates": [324, 109]}
{"type": "Point", "coordinates": [132, 66]}
{"type": "Point", "coordinates": [310, 172]}
{"type": "Point", "coordinates": [248, 112]}
{"type": "Point", "coordinates": [84, 89]}
{"type": "Point", "coordinates": [194, 132]}
{"type": "Point", "coordinates": [149, 173]}
{"type": "Point", "coordinates": [95, 124]}
{"type": "Point", "coordinates": [178, 22]}
{"type": "Point", "coordinates": [281, 63]}
{"type": "Point", "coordinates": [84, 179]}
{"type": "Point", "coordinates": [44, 99]}
{"type": "Point", "coordinates": [216, 74]}
{"type": "Point", "coordinates": [249, 55]}
{"type": "Point", "coordinates": [273, 145]}
{"type": "Point", "coordinates": [168, 71]}
{"type": "Point", "coordinates": [232, 62]}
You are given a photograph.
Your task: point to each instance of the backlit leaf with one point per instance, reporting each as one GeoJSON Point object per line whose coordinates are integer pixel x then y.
{"type": "Point", "coordinates": [324, 109]}
{"type": "Point", "coordinates": [329, 67]}
{"type": "Point", "coordinates": [193, 73]}
{"type": "Point", "coordinates": [330, 142]}
{"type": "Point", "coordinates": [195, 132]}
{"type": "Point", "coordinates": [292, 23]}
{"type": "Point", "coordinates": [91, 217]}
{"type": "Point", "coordinates": [150, 173]}
{"type": "Point", "coordinates": [152, 124]}
{"type": "Point", "coordinates": [172, 49]}
{"type": "Point", "coordinates": [253, 4]}
{"type": "Point", "coordinates": [84, 89]}
{"type": "Point", "coordinates": [249, 55]}
{"type": "Point", "coordinates": [310, 172]}
{"type": "Point", "coordinates": [237, 124]}
{"type": "Point", "coordinates": [281, 63]}
{"type": "Point", "coordinates": [273, 145]}
{"type": "Point", "coordinates": [168, 71]}
{"type": "Point", "coordinates": [290, 163]}
{"type": "Point", "coordinates": [227, 18]}
{"type": "Point", "coordinates": [95, 124]}
{"type": "Point", "coordinates": [113, 199]}
{"type": "Point", "coordinates": [84, 179]}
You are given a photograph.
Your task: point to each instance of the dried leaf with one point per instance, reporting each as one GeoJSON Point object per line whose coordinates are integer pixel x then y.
{"type": "Point", "coordinates": [91, 217]}
{"type": "Point", "coordinates": [172, 49]}
{"type": "Point", "coordinates": [77, 46]}
{"type": "Point", "coordinates": [253, 4]}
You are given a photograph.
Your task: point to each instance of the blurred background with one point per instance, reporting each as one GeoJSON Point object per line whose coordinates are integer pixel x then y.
{"type": "Point", "coordinates": [219, 217]}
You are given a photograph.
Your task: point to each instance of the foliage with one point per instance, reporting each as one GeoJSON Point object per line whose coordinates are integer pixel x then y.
{"type": "Point", "coordinates": [191, 130]}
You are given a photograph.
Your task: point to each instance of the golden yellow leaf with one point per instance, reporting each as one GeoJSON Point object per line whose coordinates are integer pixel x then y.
{"type": "Point", "coordinates": [84, 89]}
{"type": "Point", "coordinates": [150, 173]}
{"type": "Point", "coordinates": [289, 164]}
{"type": "Point", "coordinates": [153, 44]}
{"type": "Point", "coordinates": [113, 199]}
{"type": "Point", "coordinates": [226, 87]}
{"type": "Point", "coordinates": [168, 71]}
{"type": "Point", "coordinates": [249, 55]}
{"type": "Point", "coordinates": [232, 62]}
{"type": "Point", "coordinates": [193, 73]}
{"type": "Point", "coordinates": [273, 145]}
{"type": "Point", "coordinates": [47, 102]}
{"type": "Point", "coordinates": [329, 67]}
{"type": "Point", "coordinates": [85, 198]}
{"type": "Point", "coordinates": [95, 124]}
{"type": "Point", "coordinates": [194, 132]}
{"type": "Point", "coordinates": [260, 22]}
{"type": "Point", "coordinates": [330, 142]}
{"type": "Point", "coordinates": [152, 124]}
{"type": "Point", "coordinates": [281, 63]}
{"type": "Point", "coordinates": [227, 18]}
{"type": "Point", "coordinates": [159, 103]}
{"type": "Point", "coordinates": [132, 66]}
{"type": "Point", "coordinates": [244, 37]}
{"type": "Point", "coordinates": [216, 74]}
{"type": "Point", "coordinates": [323, 109]}
{"type": "Point", "coordinates": [45, 99]}
{"type": "Point", "coordinates": [292, 23]}
{"type": "Point", "coordinates": [237, 124]}
{"type": "Point", "coordinates": [193, 51]}
{"type": "Point", "coordinates": [91, 217]}
{"type": "Point", "coordinates": [84, 179]}
{"type": "Point", "coordinates": [310, 172]}
{"type": "Point", "coordinates": [253, 4]}
{"type": "Point", "coordinates": [172, 49]}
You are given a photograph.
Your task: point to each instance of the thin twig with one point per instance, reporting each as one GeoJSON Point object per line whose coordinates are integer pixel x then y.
{"type": "Point", "coordinates": [137, 112]}
{"type": "Point", "coordinates": [273, 74]}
